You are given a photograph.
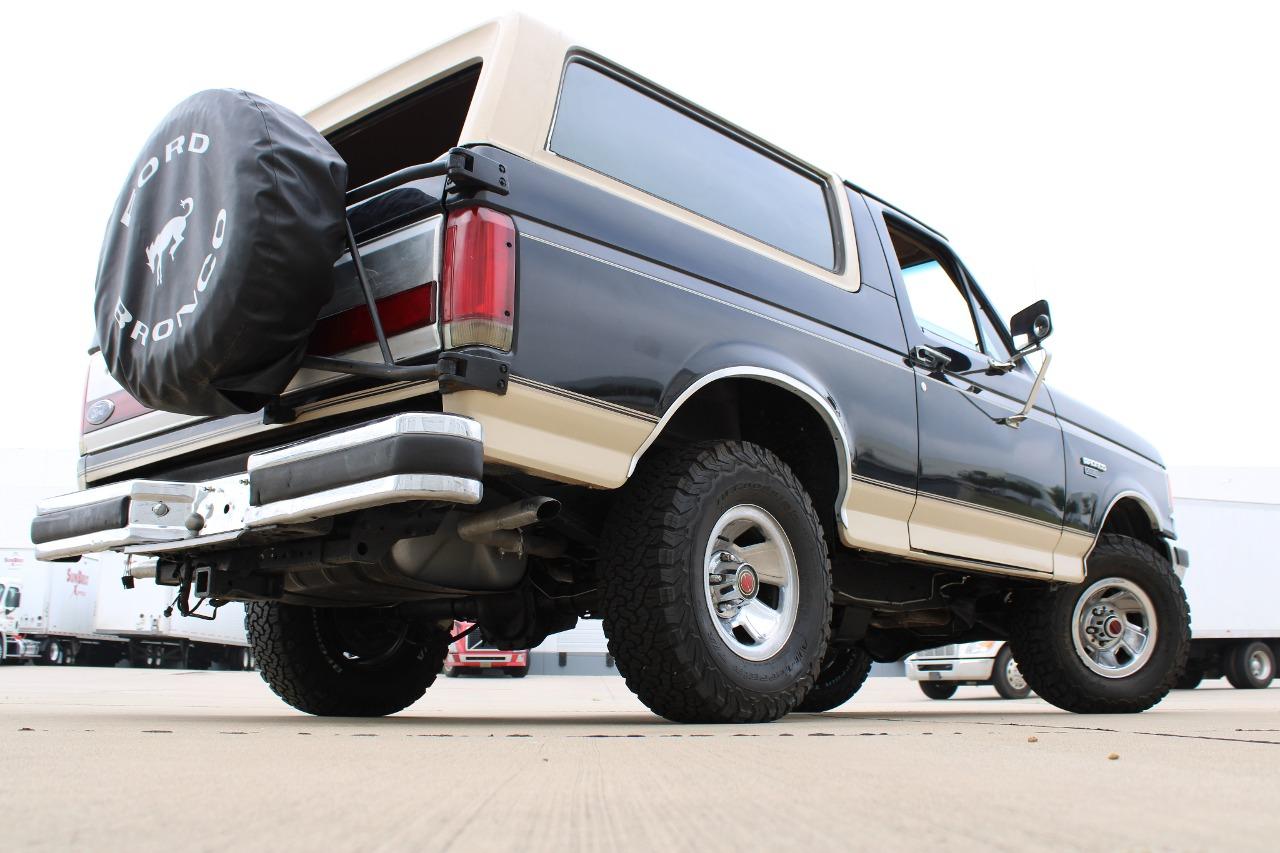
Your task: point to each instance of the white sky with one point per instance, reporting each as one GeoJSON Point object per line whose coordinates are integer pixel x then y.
{"type": "Point", "coordinates": [1117, 159]}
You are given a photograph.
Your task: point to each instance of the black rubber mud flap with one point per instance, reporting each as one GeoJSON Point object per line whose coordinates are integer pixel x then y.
{"type": "Point", "coordinates": [219, 255]}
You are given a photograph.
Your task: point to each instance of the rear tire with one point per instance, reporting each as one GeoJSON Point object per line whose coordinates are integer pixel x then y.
{"type": "Point", "coordinates": [1114, 644]}
{"type": "Point", "coordinates": [344, 662]}
{"type": "Point", "coordinates": [1250, 666]}
{"type": "Point", "coordinates": [54, 654]}
{"type": "Point", "coordinates": [844, 670]}
{"type": "Point", "coordinates": [1006, 678]}
{"type": "Point", "coordinates": [939, 690]}
{"type": "Point", "coordinates": [698, 637]}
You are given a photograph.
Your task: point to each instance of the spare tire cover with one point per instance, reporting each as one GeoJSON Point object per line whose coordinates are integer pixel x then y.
{"type": "Point", "coordinates": [219, 255]}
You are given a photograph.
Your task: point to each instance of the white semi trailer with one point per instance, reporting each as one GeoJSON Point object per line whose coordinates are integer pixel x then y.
{"type": "Point", "coordinates": [1227, 518]}
{"type": "Point", "coordinates": [157, 634]}
{"type": "Point", "coordinates": [53, 618]}
{"type": "Point", "coordinates": [78, 613]}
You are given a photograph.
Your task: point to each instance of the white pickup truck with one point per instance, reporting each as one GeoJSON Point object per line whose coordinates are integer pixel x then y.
{"type": "Point", "coordinates": [940, 671]}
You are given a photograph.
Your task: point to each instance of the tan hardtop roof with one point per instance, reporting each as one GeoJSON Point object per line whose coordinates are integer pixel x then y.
{"type": "Point", "coordinates": [522, 61]}
{"type": "Point", "coordinates": [500, 42]}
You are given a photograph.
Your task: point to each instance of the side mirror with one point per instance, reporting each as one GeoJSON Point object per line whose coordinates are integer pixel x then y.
{"type": "Point", "coordinates": [1033, 322]}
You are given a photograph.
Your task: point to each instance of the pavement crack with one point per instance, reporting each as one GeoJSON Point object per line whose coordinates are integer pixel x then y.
{"type": "Point", "coordinates": [1104, 730]}
{"type": "Point", "coordinates": [1210, 737]}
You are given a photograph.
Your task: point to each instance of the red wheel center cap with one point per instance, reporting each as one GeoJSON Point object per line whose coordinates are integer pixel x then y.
{"type": "Point", "coordinates": [747, 582]}
{"type": "Point", "coordinates": [1114, 628]}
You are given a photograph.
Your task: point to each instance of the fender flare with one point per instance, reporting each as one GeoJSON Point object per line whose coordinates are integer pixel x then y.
{"type": "Point", "coordinates": [821, 403]}
{"type": "Point", "coordinates": [1148, 507]}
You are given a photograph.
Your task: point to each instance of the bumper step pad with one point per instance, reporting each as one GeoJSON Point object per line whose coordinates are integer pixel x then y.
{"type": "Point", "coordinates": [424, 456]}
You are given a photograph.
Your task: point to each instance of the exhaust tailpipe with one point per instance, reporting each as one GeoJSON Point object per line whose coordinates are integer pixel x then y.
{"type": "Point", "coordinates": [501, 528]}
{"type": "Point", "coordinates": [511, 517]}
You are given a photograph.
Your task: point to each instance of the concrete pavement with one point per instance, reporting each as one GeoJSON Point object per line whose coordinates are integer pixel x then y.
{"type": "Point", "coordinates": [149, 760]}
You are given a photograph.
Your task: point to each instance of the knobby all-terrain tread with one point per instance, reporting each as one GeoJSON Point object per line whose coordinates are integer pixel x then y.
{"type": "Point", "coordinates": [1034, 651]}
{"type": "Point", "coordinates": [649, 621]}
{"type": "Point", "coordinates": [284, 644]}
{"type": "Point", "coordinates": [833, 689]}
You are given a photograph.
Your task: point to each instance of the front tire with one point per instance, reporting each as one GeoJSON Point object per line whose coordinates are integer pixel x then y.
{"type": "Point", "coordinates": [717, 586]}
{"type": "Point", "coordinates": [1250, 666]}
{"type": "Point", "coordinates": [939, 690]}
{"type": "Point", "coordinates": [1114, 644]}
{"type": "Point", "coordinates": [844, 670]}
{"type": "Point", "coordinates": [344, 661]}
{"type": "Point", "coordinates": [1006, 678]}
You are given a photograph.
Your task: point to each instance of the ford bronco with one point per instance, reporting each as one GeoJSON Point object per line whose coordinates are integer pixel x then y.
{"type": "Point", "coordinates": [573, 347]}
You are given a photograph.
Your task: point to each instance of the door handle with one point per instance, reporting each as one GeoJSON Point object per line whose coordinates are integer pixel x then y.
{"type": "Point", "coordinates": [929, 358]}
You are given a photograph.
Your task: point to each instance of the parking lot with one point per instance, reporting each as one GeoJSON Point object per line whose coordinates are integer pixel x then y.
{"type": "Point", "coordinates": [143, 759]}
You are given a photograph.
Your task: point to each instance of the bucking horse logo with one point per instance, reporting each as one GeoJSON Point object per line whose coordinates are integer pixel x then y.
{"type": "Point", "coordinates": [170, 237]}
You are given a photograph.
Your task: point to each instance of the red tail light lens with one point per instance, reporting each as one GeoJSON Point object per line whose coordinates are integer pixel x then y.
{"type": "Point", "coordinates": [400, 312]}
{"type": "Point", "coordinates": [478, 287]}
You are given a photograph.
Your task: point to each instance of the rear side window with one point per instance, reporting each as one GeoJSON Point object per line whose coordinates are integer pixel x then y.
{"type": "Point", "coordinates": [614, 128]}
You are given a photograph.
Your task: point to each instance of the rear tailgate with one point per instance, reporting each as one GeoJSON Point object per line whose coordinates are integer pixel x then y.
{"type": "Point", "coordinates": [403, 268]}
{"type": "Point", "coordinates": [400, 235]}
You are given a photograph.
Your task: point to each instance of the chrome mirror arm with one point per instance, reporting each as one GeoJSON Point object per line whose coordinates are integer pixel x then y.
{"type": "Point", "coordinates": [1015, 421]}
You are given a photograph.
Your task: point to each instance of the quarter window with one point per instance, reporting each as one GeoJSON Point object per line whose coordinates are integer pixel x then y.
{"type": "Point", "coordinates": [614, 128]}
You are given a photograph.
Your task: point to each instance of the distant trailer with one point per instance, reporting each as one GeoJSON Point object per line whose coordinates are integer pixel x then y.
{"type": "Point", "coordinates": [77, 613]}
{"type": "Point", "coordinates": [157, 634]}
{"type": "Point", "coordinates": [53, 618]}
{"type": "Point", "coordinates": [582, 650]}
{"type": "Point", "coordinates": [1227, 519]}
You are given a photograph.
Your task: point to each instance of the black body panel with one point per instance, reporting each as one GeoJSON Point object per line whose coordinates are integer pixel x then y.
{"type": "Point", "coordinates": [656, 305]}
{"type": "Point", "coordinates": [612, 266]}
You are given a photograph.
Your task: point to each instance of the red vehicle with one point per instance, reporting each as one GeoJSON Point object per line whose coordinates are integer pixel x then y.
{"type": "Point", "coordinates": [472, 651]}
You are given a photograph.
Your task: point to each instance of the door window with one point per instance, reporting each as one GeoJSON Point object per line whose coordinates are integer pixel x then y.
{"type": "Point", "coordinates": [934, 290]}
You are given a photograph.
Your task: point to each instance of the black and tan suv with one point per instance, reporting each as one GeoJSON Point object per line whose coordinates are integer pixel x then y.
{"type": "Point", "coordinates": [600, 354]}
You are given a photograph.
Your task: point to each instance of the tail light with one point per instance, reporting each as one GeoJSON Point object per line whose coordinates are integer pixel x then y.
{"type": "Point", "coordinates": [478, 285]}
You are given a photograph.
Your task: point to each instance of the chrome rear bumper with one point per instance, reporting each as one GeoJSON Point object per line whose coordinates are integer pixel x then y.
{"type": "Point", "coordinates": [420, 456]}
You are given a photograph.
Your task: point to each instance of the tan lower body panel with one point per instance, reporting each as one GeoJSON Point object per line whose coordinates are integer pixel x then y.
{"type": "Point", "coordinates": [1068, 557]}
{"type": "Point", "coordinates": [931, 530]}
{"type": "Point", "coordinates": [946, 527]}
{"type": "Point", "coordinates": [554, 434]}
{"type": "Point", "coordinates": [875, 517]}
